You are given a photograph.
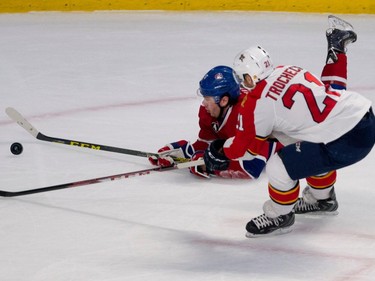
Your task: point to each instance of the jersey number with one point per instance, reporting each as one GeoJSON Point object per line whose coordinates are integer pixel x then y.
{"type": "Point", "coordinates": [239, 125]}
{"type": "Point", "coordinates": [317, 114]}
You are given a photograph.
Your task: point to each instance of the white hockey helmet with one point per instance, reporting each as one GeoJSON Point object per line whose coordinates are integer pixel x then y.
{"type": "Point", "coordinates": [254, 61]}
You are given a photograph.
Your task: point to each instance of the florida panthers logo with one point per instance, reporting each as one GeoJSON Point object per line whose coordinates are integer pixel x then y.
{"type": "Point", "coordinates": [298, 146]}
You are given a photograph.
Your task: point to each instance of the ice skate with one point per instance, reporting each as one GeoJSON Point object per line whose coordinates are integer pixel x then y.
{"type": "Point", "coordinates": [309, 205]}
{"type": "Point", "coordinates": [265, 226]}
{"type": "Point", "coordinates": [339, 34]}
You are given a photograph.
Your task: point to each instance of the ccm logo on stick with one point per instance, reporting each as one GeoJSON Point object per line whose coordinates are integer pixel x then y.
{"type": "Point", "coordinates": [81, 144]}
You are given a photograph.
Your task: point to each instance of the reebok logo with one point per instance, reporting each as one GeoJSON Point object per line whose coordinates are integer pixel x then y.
{"type": "Point", "coordinates": [298, 147]}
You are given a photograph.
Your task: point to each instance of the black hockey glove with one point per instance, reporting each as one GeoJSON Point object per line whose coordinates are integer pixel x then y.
{"type": "Point", "coordinates": [214, 158]}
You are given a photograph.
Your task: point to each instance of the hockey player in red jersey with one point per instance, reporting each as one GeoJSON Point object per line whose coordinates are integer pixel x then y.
{"type": "Point", "coordinates": [323, 129]}
{"type": "Point", "coordinates": [217, 120]}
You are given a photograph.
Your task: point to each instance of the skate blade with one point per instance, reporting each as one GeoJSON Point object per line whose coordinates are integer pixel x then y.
{"type": "Point", "coordinates": [337, 23]}
{"type": "Point", "coordinates": [276, 232]}
{"type": "Point", "coordinates": [317, 214]}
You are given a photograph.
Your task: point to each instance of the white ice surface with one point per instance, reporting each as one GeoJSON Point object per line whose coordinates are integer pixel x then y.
{"type": "Point", "coordinates": [128, 79]}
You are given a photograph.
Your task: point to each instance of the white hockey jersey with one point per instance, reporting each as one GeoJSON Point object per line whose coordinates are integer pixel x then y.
{"type": "Point", "coordinates": [293, 105]}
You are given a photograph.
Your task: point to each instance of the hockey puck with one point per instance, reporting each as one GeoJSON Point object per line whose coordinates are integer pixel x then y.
{"type": "Point", "coordinates": [16, 148]}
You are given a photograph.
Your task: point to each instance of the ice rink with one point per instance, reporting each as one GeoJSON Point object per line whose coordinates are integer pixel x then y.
{"type": "Point", "coordinates": [129, 79]}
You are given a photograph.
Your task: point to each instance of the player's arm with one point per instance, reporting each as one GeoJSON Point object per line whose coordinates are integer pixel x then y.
{"type": "Point", "coordinates": [245, 139]}
{"type": "Point", "coordinates": [219, 154]}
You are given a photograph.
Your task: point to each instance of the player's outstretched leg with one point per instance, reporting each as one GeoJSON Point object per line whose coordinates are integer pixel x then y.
{"type": "Point", "coordinates": [339, 34]}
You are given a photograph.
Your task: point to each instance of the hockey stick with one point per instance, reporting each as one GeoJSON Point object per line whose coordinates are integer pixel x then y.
{"type": "Point", "coordinates": [4, 193]}
{"type": "Point", "coordinates": [20, 120]}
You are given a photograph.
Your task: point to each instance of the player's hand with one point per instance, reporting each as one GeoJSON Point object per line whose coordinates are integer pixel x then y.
{"type": "Point", "coordinates": [214, 157]}
{"type": "Point", "coordinates": [199, 171]}
{"type": "Point", "coordinates": [162, 161]}
{"type": "Point", "coordinates": [170, 152]}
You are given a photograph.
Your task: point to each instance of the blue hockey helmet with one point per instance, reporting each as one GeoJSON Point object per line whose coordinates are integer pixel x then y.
{"type": "Point", "coordinates": [220, 81]}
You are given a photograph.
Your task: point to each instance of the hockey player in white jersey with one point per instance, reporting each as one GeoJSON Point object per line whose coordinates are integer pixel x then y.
{"type": "Point", "coordinates": [323, 129]}
{"type": "Point", "coordinates": [319, 196]}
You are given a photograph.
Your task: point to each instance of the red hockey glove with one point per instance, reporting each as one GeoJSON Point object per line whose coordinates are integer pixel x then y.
{"type": "Point", "coordinates": [181, 149]}
{"type": "Point", "coordinates": [162, 161]}
{"type": "Point", "coordinates": [199, 171]}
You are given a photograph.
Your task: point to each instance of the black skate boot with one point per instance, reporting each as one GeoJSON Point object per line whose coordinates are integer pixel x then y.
{"type": "Point", "coordinates": [312, 206]}
{"type": "Point", "coordinates": [265, 226]}
{"type": "Point", "coordinates": [337, 41]}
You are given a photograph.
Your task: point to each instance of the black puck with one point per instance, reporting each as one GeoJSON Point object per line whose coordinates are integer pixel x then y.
{"type": "Point", "coordinates": [16, 148]}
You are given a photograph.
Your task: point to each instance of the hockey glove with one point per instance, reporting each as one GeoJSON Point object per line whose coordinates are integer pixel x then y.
{"type": "Point", "coordinates": [172, 152]}
{"type": "Point", "coordinates": [214, 158]}
{"type": "Point", "coordinates": [199, 171]}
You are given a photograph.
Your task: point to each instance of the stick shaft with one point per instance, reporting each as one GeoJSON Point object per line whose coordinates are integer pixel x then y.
{"type": "Point", "coordinates": [126, 175]}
